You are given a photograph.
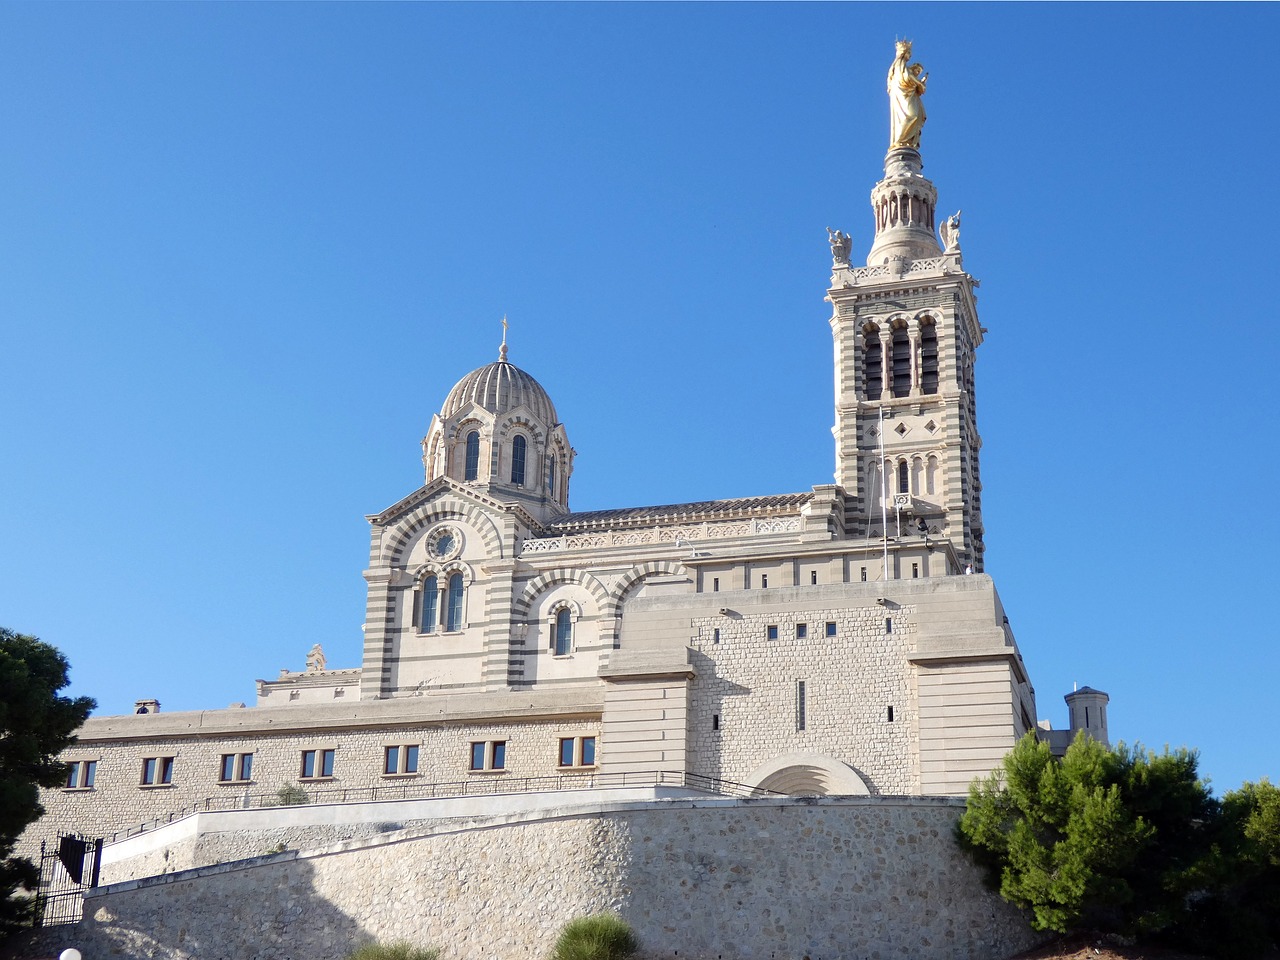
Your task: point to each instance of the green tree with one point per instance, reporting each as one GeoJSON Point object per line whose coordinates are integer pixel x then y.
{"type": "Point", "coordinates": [36, 724]}
{"type": "Point", "coordinates": [1099, 839]}
{"type": "Point", "coordinates": [1236, 911]}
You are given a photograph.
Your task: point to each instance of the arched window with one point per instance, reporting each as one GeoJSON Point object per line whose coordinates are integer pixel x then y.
{"type": "Point", "coordinates": [429, 614]}
{"type": "Point", "coordinates": [564, 633]}
{"type": "Point", "coordinates": [928, 358]}
{"type": "Point", "coordinates": [551, 475]}
{"type": "Point", "coordinates": [519, 447]}
{"type": "Point", "coordinates": [874, 366]}
{"type": "Point", "coordinates": [901, 363]}
{"type": "Point", "coordinates": [473, 456]}
{"type": "Point", "coordinates": [453, 611]}
{"type": "Point", "coordinates": [904, 479]}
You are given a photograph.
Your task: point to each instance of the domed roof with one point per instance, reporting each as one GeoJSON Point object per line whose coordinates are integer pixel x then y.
{"type": "Point", "coordinates": [498, 387]}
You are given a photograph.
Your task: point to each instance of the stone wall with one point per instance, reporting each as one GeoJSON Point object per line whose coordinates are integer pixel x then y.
{"type": "Point", "coordinates": [828, 879]}
{"type": "Point", "coordinates": [749, 682]}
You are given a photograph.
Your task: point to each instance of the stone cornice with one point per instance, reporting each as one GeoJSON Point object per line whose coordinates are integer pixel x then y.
{"type": "Point", "coordinates": [441, 484]}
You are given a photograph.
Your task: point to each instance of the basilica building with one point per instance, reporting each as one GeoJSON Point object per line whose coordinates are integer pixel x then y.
{"type": "Point", "coordinates": [840, 640]}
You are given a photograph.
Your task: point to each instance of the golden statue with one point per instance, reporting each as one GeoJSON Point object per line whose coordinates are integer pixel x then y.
{"type": "Point", "coordinates": [906, 86]}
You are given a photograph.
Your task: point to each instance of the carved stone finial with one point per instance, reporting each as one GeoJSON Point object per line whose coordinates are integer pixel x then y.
{"type": "Point", "coordinates": [841, 244]}
{"type": "Point", "coordinates": [315, 660]}
{"type": "Point", "coordinates": [502, 350]}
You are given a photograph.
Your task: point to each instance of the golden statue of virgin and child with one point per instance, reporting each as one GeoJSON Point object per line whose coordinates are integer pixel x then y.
{"type": "Point", "coordinates": [906, 86]}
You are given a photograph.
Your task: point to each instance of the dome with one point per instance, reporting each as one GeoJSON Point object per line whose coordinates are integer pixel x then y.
{"type": "Point", "coordinates": [498, 387]}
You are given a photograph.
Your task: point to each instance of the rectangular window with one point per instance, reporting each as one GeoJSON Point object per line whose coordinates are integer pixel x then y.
{"type": "Point", "coordinates": [891, 714]}
{"type": "Point", "coordinates": [715, 721]}
{"type": "Point", "coordinates": [316, 764]}
{"type": "Point", "coordinates": [157, 771]}
{"type": "Point", "coordinates": [831, 628]}
{"type": "Point", "coordinates": [577, 751]}
{"type": "Point", "coordinates": [771, 632]}
{"type": "Point", "coordinates": [802, 631]}
{"type": "Point", "coordinates": [801, 717]}
{"type": "Point", "coordinates": [888, 624]}
{"type": "Point", "coordinates": [400, 760]}
{"type": "Point", "coordinates": [81, 774]}
{"type": "Point", "coordinates": [489, 755]}
{"type": "Point", "coordinates": [236, 768]}
{"type": "Point", "coordinates": [715, 635]}
{"type": "Point", "coordinates": [715, 584]}
{"type": "Point", "coordinates": [764, 581]}
{"type": "Point", "coordinates": [864, 574]}
{"type": "Point", "coordinates": [915, 570]}
{"type": "Point", "coordinates": [813, 577]}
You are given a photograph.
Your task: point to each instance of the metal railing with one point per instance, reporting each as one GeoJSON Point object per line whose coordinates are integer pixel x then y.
{"type": "Point", "coordinates": [486, 786]}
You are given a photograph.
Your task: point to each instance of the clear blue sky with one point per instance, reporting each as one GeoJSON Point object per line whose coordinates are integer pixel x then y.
{"type": "Point", "coordinates": [245, 250]}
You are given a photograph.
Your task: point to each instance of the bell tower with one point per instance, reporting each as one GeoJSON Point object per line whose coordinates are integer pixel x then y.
{"type": "Point", "coordinates": [906, 333]}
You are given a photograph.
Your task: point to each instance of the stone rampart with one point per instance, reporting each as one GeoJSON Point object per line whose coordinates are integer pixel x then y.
{"type": "Point", "coordinates": [828, 879]}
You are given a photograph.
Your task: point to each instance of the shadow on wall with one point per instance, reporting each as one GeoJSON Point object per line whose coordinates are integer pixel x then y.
{"type": "Point", "coordinates": [707, 707]}
{"type": "Point", "coordinates": [176, 919]}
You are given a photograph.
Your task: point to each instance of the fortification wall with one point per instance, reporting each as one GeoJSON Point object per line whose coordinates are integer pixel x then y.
{"type": "Point", "coordinates": [829, 879]}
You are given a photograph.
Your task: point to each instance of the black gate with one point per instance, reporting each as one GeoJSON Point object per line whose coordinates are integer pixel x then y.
{"type": "Point", "coordinates": [66, 872]}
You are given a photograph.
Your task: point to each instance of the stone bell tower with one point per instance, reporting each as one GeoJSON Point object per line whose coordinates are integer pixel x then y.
{"type": "Point", "coordinates": [906, 334]}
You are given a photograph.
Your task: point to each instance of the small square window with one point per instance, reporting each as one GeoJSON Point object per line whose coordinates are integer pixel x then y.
{"type": "Point", "coordinates": [236, 768]}
{"type": "Point", "coordinates": [802, 631]}
{"type": "Point", "coordinates": [577, 751]}
{"type": "Point", "coordinates": [489, 755]}
{"type": "Point", "coordinates": [316, 764]}
{"type": "Point", "coordinates": [399, 760]}
{"type": "Point", "coordinates": [157, 771]}
{"type": "Point", "coordinates": [771, 632]}
{"type": "Point", "coordinates": [81, 774]}
{"type": "Point", "coordinates": [831, 628]}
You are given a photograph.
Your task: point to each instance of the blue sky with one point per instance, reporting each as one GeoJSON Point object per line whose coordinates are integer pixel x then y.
{"type": "Point", "coordinates": [246, 249]}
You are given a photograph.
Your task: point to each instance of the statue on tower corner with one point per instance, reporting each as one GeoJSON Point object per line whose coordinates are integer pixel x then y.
{"type": "Point", "coordinates": [906, 86]}
{"type": "Point", "coordinates": [950, 231]}
{"type": "Point", "coordinates": [841, 244]}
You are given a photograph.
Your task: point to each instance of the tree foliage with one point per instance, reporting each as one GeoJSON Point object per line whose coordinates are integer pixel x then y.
{"type": "Point", "coordinates": [36, 724]}
{"type": "Point", "coordinates": [1099, 839]}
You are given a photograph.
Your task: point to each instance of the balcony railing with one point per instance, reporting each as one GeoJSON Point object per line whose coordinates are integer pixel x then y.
{"type": "Point", "coordinates": [476, 787]}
